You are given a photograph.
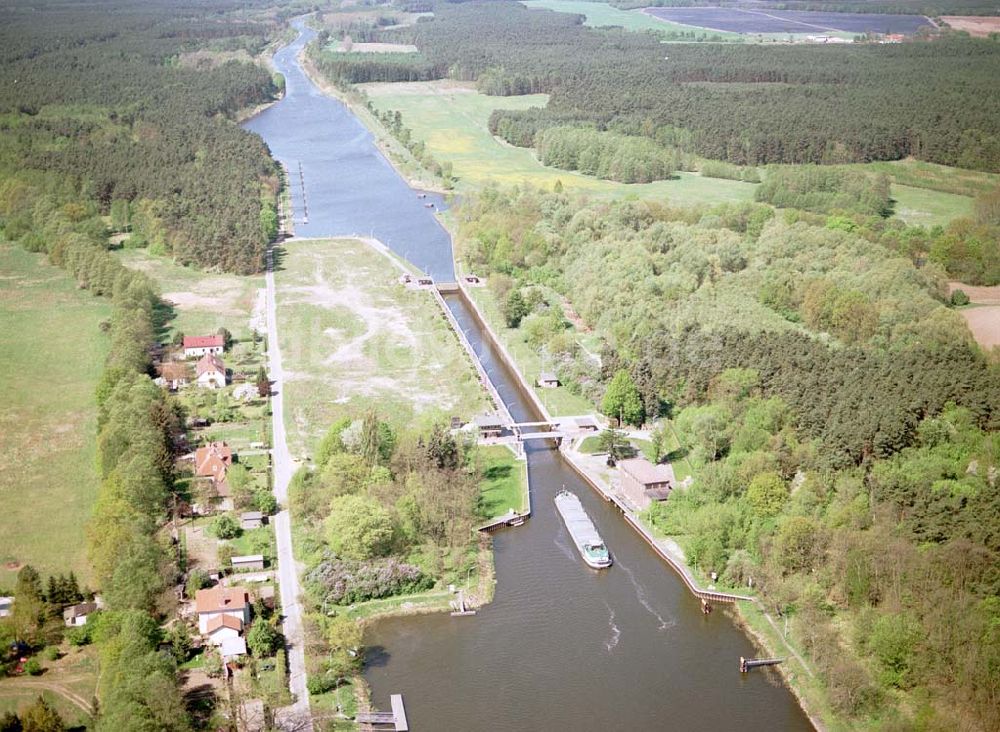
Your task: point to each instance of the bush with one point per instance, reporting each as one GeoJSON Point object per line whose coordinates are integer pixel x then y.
{"type": "Point", "coordinates": [959, 298]}
{"type": "Point", "coordinates": [51, 653]}
{"type": "Point", "coordinates": [33, 667]}
{"type": "Point", "coordinates": [320, 684]}
{"type": "Point", "coordinates": [344, 581]}
{"type": "Point", "coordinates": [359, 527]}
{"type": "Point", "coordinates": [225, 527]}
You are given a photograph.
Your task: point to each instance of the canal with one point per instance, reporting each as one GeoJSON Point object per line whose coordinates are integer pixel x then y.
{"type": "Point", "coordinates": [562, 646]}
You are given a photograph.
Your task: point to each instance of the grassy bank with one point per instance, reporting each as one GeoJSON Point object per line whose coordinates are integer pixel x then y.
{"type": "Point", "coordinates": [51, 354]}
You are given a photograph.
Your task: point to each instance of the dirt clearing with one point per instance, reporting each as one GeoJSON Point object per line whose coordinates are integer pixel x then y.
{"type": "Point", "coordinates": [974, 25]}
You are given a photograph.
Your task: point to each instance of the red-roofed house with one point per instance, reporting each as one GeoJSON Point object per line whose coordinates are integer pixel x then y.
{"type": "Point", "coordinates": [212, 460]}
{"type": "Point", "coordinates": [202, 345]}
{"type": "Point", "coordinates": [211, 372]}
{"type": "Point", "coordinates": [219, 602]}
{"type": "Point", "coordinates": [222, 627]}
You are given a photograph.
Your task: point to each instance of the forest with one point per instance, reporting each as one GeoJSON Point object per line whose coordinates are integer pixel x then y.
{"type": "Point", "coordinates": [831, 403]}
{"type": "Point", "coordinates": [116, 111]}
{"type": "Point", "coordinates": [903, 7]}
{"type": "Point", "coordinates": [745, 104]}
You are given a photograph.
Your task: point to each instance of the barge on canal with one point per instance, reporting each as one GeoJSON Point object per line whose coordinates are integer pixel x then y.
{"type": "Point", "coordinates": [588, 542]}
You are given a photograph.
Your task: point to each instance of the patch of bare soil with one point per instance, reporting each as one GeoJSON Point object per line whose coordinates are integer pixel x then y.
{"type": "Point", "coordinates": [984, 322]}
{"type": "Point", "coordinates": [978, 294]}
{"type": "Point", "coordinates": [974, 25]}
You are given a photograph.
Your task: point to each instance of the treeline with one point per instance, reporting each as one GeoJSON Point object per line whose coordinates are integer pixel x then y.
{"type": "Point", "coordinates": [839, 421]}
{"type": "Point", "coordinates": [826, 190]}
{"type": "Point", "coordinates": [719, 169]}
{"type": "Point", "coordinates": [745, 104]}
{"type": "Point", "coordinates": [606, 154]}
{"type": "Point", "coordinates": [114, 112]}
{"type": "Point", "coordinates": [136, 424]}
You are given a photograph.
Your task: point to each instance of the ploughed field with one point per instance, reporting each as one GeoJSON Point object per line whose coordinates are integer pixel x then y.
{"type": "Point", "coordinates": [737, 20]}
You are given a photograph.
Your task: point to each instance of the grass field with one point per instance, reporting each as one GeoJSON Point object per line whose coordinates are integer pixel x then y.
{"type": "Point", "coordinates": [69, 684]}
{"type": "Point", "coordinates": [353, 338]}
{"type": "Point", "coordinates": [924, 207]}
{"type": "Point", "coordinates": [451, 119]}
{"type": "Point", "coordinates": [504, 485]}
{"type": "Point", "coordinates": [51, 355]}
{"type": "Point", "coordinates": [202, 301]}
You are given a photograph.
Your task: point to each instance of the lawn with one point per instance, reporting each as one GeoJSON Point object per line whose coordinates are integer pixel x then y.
{"type": "Point", "coordinates": [932, 176]}
{"type": "Point", "coordinates": [354, 339]}
{"type": "Point", "coordinates": [203, 302]}
{"type": "Point", "coordinates": [504, 484]}
{"type": "Point", "coordinates": [51, 355]}
{"type": "Point", "coordinates": [451, 118]}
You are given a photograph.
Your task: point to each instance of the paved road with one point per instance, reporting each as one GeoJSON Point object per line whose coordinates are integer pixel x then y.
{"type": "Point", "coordinates": [295, 717]}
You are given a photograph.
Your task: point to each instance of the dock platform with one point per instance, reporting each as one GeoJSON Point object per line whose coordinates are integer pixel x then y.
{"type": "Point", "coordinates": [394, 720]}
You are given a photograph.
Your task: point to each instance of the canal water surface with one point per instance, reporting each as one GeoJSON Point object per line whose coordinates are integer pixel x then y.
{"type": "Point", "coordinates": [562, 647]}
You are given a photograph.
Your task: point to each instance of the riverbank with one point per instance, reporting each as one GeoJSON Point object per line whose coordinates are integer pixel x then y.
{"type": "Point", "coordinates": [398, 156]}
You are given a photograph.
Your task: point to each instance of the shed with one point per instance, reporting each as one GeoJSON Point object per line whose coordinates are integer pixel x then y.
{"type": "Point", "coordinates": [249, 561]}
{"type": "Point", "coordinates": [76, 615]}
{"type": "Point", "coordinates": [5, 606]}
{"type": "Point", "coordinates": [642, 482]}
{"type": "Point", "coordinates": [548, 380]}
{"type": "Point", "coordinates": [231, 648]}
{"type": "Point", "coordinates": [586, 424]}
{"type": "Point", "coordinates": [489, 425]}
{"type": "Point", "coordinates": [252, 520]}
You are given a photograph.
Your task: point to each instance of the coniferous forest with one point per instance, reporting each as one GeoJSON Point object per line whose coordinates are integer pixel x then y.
{"type": "Point", "coordinates": [111, 117]}
{"type": "Point", "coordinates": [743, 103]}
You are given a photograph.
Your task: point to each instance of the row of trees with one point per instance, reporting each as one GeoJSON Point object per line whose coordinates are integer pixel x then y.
{"type": "Point", "coordinates": [826, 190]}
{"type": "Point", "coordinates": [136, 424]}
{"type": "Point", "coordinates": [606, 154]}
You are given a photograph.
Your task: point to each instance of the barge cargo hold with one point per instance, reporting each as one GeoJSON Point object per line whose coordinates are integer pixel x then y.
{"type": "Point", "coordinates": [588, 542]}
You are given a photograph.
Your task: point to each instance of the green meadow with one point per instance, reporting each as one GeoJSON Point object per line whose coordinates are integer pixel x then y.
{"type": "Point", "coordinates": [51, 355]}
{"type": "Point", "coordinates": [452, 120]}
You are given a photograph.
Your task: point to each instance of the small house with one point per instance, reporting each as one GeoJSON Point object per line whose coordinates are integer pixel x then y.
{"type": "Point", "coordinates": [489, 425]}
{"type": "Point", "coordinates": [211, 372]}
{"type": "Point", "coordinates": [76, 615]}
{"type": "Point", "coordinates": [586, 424]}
{"type": "Point", "coordinates": [642, 482]}
{"type": "Point", "coordinates": [175, 374]}
{"type": "Point", "coordinates": [6, 603]}
{"type": "Point", "coordinates": [222, 628]}
{"type": "Point", "coordinates": [548, 380]}
{"type": "Point", "coordinates": [221, 601]}
{"type": "Point", "coordinates": [251, 520]}
{"type": "Point", "coordinates": [250, 561]}
{"type": "Point", "coordinates": [198, 346]}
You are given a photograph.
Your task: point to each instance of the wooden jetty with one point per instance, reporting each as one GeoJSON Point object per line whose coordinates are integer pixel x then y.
{"type": "Point", "coordinates": [511, 518]}
{"type": "Point", "coordinates": [748, 663]}
{"type": "Point", "coordinates": [394, 720]}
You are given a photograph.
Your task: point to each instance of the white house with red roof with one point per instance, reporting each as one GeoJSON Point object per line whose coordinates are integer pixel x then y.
{"type": "Point", "coordinates": [211, 372]}
{"type": "Point", "coordinates": [223, 628]}
{"type": "Point", "coordinates": [217, 603]}
{"type": "Point", "coordinates": [195, 346]}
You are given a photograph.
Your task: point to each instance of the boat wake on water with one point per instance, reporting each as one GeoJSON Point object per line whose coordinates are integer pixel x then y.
{"type": "Point", "coordinates": [640, 593]}
{"type": "Point", "coordinates": [615, 631]}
